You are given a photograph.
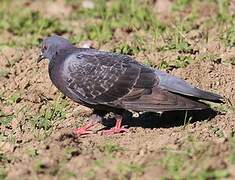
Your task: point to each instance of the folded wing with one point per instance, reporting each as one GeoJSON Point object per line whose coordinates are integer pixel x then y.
{"type": "Point", "coordinates": [101, 78]}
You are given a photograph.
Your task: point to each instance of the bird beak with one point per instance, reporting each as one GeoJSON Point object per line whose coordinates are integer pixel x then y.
{"type": "Point", "coordinates": [41, 57]}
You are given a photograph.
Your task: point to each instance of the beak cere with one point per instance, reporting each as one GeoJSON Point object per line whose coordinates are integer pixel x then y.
{"type": "Point", "coordinates": [41, 57]}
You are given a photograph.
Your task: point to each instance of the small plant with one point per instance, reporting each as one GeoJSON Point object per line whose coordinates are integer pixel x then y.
{"type": "Point", "coordinates": [224, 14]}
{"type": "Point", "coordinates": [110, 149]}
{"type": "Point", "coordinates": [70, 152]}
{"type": "Point", "coordinates": [217, 132]}
{"type": "Point", "coordinates": [3, 158]}
{"type": "Point", "coordinates": [5, 119]}
{"type": "Point", "coordinates": [28, 26]}
{"type": "Point", "coordinates": [124, 49]}
{"type": "Point", "coordinates": [179, 5]}
{"type": "Point", "coordinates": [130, 16]}
{"type": "Point", "coordinates": [50, 113]}
{"type": "Point", "coordinates": [228, 35]}
{"type": "Point", "coordinates": [15, 98]}
{"type": "Point", "coordinates": [187, 119]}
{"type": "Point", "coordinates": [4, 72]}
{"type": "Point", "coordinates": [40, 166]}
{"type": "Point", "coordinates": [130, 169]}
{"type": "Point", "coordinates": [32, 153]}
{"type": "Point", "coordinates": [67, 174]}
{"type": "Point", "coordinates": [3, 174]}
{"type": "Point", "coordinates": [182, 61]}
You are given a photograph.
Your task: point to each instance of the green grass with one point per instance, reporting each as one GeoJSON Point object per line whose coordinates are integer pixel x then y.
{"type": "Point", "coordinates": [190, 165]}
{"type": "Point", "coordinates": [14, 98]}
{"type": "Point", "coordinates": [179, 5]}
{"type": "Point", "coordinates": [130, 170]}
{"type": "Point", "coordinates": [27, 26]}
{"type": "Point", "coordinates": [67, 174]}
{"type": "Point", "coordinates": [228, 35]}
{"type": "Point", "coordinates": [224, 14]}
{"type": "Point", "coordinates": [49, 114]}
{"type": "Point", "coordinates": [130, 16]}
{"type": "Point", "coordinates": [145, 34]}
{"type": "Point", "coordinates": [3, 174]}
{"type": "Point", "coordinates": [109, 149]}
{"type": "Point", "coordinates": [6, 119]}
{"type": "Point", "coordinates": [33, 153]}
{"type": "Point", "coordinates": [4, 72]}
{"type": "Point", "coordinates": [70, 152]}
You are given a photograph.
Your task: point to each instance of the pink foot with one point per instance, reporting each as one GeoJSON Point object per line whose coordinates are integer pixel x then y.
{"type": "Point", "coordinates": [93, 120]}
{"type": "Point", "coordinates": [116, 129]}
{"type": "Point", "coordinates": [84, 130]}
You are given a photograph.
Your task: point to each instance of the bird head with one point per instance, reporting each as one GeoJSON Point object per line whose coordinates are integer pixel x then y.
{"type": "Point", "coordinates": [51, 45]}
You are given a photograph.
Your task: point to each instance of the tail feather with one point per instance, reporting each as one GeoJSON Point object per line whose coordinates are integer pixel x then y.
{"type": "Point", "coordinates": [162, 100]}
{"type": "Point", "coordinates": [177, 85]}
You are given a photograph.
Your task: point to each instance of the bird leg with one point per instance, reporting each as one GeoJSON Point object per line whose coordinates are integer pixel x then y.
{"type": "Point", "coordinates": [93, 120]}
{"type": "Point", "coordinates": [116, 129]}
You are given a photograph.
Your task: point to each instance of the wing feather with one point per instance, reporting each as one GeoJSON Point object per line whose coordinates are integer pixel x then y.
{"type": "Point", "coordinates": [104, 78]}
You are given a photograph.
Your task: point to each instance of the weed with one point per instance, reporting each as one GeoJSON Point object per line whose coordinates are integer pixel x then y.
{"type": "Point", "coordinates": [98, 163]}
{"type": "Point", "coordinates": [232, 158]}
{"type": "Point", "coordinates": [28, 26]}
{"type": "Point", "coordinates": [15, 98]}
{"type": "Point", "coordinates": [179, 5]}
{"type": "Point", "coordinates": [231, 60]}
{"type": "Point", "coordinates": [174, 164]}
{"type": "Point", "coordinates": [70, 152]}
{"type": "Point", "coordinates": [4, 72]}
{"type": "Point", "coordinates": [3, 174]}
{"type": "Point", "coordinates": [130, 16]}
{"type": "Point", "coordinates": [224, 108]}
{"type": "Point", "coordinates": [3, 137]}
{"type": "Point", "coordinates": [67, 174]}
{"type": "Point", "coordinates": [163, 65]}
{"type": "Point", "coordinates": [90, 174]}
{"type": "Point", "coordinates": [177, 44]}
{"type": "Point", "coordinates": [32, 153]}
{"type": "Point", "coordinates": [110, 149]}
{"type": "Point", "coordinates": [179, 166]}
{"type": "Point", "coordinates": [224, 14]}
{"type": "Point", "coordinates": [3, 158]}
{"type": "Point", "coordinates": [217, 131]}
{"type": "Point", "coordinates": [209, 57]}
{"type": "Point", "coordinates": [40, 166]}
{"type": "Point", "coordinates": [5, 119]}
{"type": "Point", "coordinates": [130, 169]}
{"type": "Point", "coordinates": [182, 61]}
{"type": "Point", "coordinates": [2, 98]}
{"type": "Point", "coordinates": [50, 113]}
{"type": "Point", "coordinates": [187, 119]}
{"type": "Point", "coordinates": [125, 49]}
{"type": "Point", "coordinates": [228, 35]}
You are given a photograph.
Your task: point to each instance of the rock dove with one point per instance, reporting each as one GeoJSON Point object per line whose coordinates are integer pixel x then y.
{"type": "Point", "coordinates": [110, 82]}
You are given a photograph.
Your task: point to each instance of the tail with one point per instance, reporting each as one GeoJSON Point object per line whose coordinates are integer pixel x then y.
{"type": "Point", "coordinates": [179, 86]}
{"type": "Point", "coordinates": [159, 100]}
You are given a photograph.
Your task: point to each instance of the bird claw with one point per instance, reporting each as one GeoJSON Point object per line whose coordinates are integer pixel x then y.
{"type": "Point", "coordinates": [114, 130]}
{"type": "Point", "coordinates": [94, 119]}
{"type": "Point", "coordinates": [82, 131]}
{"type": "Point", "coordinates": [117, 129]}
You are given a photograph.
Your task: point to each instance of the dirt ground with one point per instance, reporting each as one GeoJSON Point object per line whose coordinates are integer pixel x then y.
{"type": "Point", "coordinates": [36, 121]}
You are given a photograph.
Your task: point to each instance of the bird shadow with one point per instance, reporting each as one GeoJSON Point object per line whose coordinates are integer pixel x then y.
{"type": "Point", "coordinates": [164, 120]}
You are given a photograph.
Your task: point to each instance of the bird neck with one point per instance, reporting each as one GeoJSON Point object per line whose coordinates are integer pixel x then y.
{"type": "Point", "coordinates": [60, 56]}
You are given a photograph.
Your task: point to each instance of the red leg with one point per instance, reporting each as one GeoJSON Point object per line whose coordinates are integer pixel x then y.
{"type": "Point", "coordinates": [117, 129]}
{"type": "Point", "coordinates": [94, 119]}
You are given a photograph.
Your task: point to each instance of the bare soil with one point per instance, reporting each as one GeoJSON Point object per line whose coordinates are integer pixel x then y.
{"type": "Point", "coordinates": [33, 153]}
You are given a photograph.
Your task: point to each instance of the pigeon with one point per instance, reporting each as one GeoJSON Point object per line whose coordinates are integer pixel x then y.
{"type": "Point", "coordinates": [111, 82]}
